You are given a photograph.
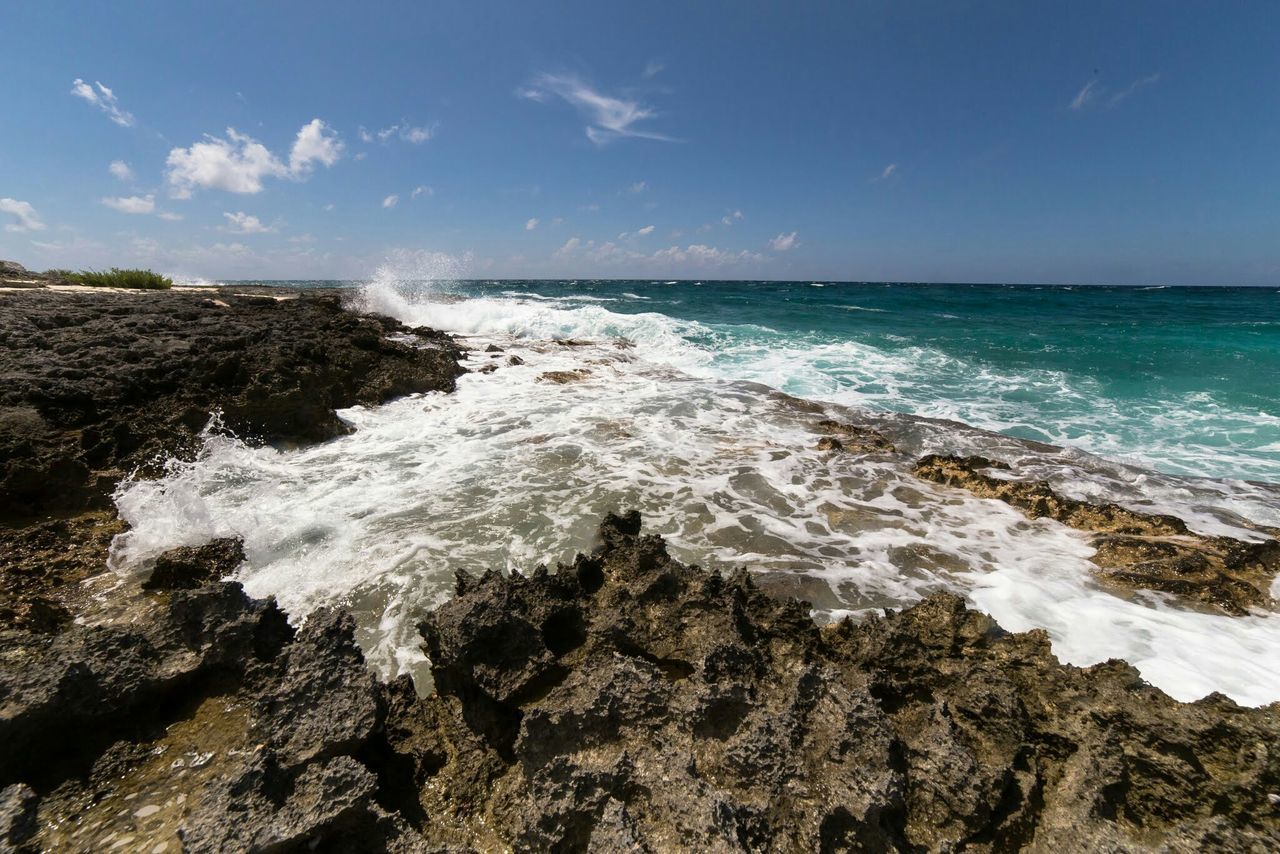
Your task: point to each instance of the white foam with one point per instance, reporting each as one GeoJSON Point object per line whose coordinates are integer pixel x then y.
{"type": "Point", "coordinates": [510, 471]}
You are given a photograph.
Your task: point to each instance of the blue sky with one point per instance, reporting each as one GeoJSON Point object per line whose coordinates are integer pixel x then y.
{"type": "Point", "coordinates": [945, 141]}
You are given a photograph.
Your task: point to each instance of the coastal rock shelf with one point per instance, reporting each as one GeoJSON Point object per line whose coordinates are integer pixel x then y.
{"type": "Point", "coordinates": [97, 383]}
{"type": "Point", "coordinates": [1133, 550]}
{"type": "Point", "coordinates": [624, 702]}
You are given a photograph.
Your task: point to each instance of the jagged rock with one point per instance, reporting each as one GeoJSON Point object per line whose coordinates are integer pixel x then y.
{"type": "Point", "coordinates": [324, 701]}
{"type": "Point", "coordinates": [1133, 550]}
{"type": "Point", "coordinates": [94, 386]}
{"type": "Point", "coordinates": [17, 816]}
{"type": "Point", "coordinates": [629, 700]}
{"type": "Point", "coordinates": [58, 694]}
{"type": "Point", "coordinates": [857, 439]}
{"type": "Point", "coordinates": [263, 809]}
{"type": "Point", "coordinates": [191, 567]}
{"type": "Point", "coordinates": [563, 377]}
{"type": "Point", "coordinates": [830, 443]}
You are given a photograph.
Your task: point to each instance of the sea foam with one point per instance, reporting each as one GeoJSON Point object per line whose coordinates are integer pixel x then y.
{"type": "Point", "coordinates": [512, 470]}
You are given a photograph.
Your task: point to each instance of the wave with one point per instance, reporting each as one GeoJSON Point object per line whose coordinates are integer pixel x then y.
{"type": "Point", "coordinates": [510, 471]}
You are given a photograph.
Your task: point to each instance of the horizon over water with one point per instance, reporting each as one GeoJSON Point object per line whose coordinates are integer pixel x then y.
{"type": "Point", "coordinates": [696, 401]}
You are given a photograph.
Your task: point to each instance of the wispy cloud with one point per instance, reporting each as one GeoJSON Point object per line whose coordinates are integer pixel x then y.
{"type": "Point", "coordinates": [888, 171]}
{"type": "Point", "coordinates": [104, 99]}
{"type": "Point", "coordinates": [421, 190]}
{"type": "Point", "coordinates": [1132, 88]}
{"type": "Point", "coordinates": [608, 117]}
{"type": "Point", "coordinates": [120, 170]}
{"type": "Point", "coordinates": [731, 217]}
{"type": "Point", "coordinates": [243, 223]}
{"type": "Point", "coordinates": [132, 204]}
{"type": "Point", "coordinates": [638, 187]}
{"type": "Point", "coordinates": [1094, 93]}
{"type": "Point", "coordinates": [1085, 96]}
{"type": "Point", "coordinates": [403, 131]}
{"type": "Point", "coordinates": [391, 201]}
{"type": "Point", "coordinates": [784, 242]}
{"type": "Point", "coordinates": [27, 218]}
{"type": "Point", "coordinates": [662, 261]}
{"type": "Point", "coordinates": [531, 223]}
{"type": "Point", "coordinates": [239, 163]}
{"type": "Point", "coordinates": [652, 69]}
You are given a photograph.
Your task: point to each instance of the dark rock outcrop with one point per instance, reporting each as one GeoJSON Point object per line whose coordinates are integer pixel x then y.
{"type": "Point", "coordinates": [631, 701]}
{"type": "Point", "coordinates": [855, 438]}
{"type": "Point", "coordinates": [1133, 550]}
{"type": "Point", "coordinates": [96, 385]}
{"type": "Point", "coordinates": [626, 701]}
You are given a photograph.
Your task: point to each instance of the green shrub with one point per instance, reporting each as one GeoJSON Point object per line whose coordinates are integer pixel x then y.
{"type": "Point", "coordinates": [117, 278]}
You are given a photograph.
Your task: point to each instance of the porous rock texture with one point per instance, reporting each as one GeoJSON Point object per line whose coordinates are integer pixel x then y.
{"type": "Point", "coordinates": [1133, 550]}
{"type": "Point", "coordinates": [624, 702]}
{"type": "Point", "coordinates": [93, 385]}
{"type": "Point", "coordinates": [96, 385]}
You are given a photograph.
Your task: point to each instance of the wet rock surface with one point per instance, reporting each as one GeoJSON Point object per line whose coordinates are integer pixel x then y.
{"type": "Point", "coordinates": [626, 701]}
{"type": "Point", "coordinates": [1133, 550]}
{"type": "Point", "coordinates": [95, 385]}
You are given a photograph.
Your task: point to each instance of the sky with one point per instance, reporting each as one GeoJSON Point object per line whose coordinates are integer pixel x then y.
{"type": "Point", "coordinates": [1070, 142]}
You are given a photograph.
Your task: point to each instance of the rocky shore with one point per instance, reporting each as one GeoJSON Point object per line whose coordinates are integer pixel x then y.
{"type": "Point", "coordinates": [624, 701]}
{"type": "Point", "coordinates": [96, 384]}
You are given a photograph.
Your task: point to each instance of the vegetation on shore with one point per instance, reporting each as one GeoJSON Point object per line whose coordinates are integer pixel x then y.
{"type": "Point", "coordinates": [114, 278]}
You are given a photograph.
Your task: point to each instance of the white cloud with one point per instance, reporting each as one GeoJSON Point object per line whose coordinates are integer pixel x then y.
{"type": "Point", "coordinates": [132, 204]}
{"type": "Point", "coordinates": [697, 255]}
{"type": "Point", "coordinates": [731, 217]}
{"type": "Point", "coordinates": [1084, 96]}
{"type": "Point", "coordinates": [608, 118]}
{"type": "Point", "coordinates": [570, 246]}
{"type": "Point", "coordinates": [316, 143]}
{"type": "Point", "coordinates": [104, 99]}
{"type": "Point", "coordinates": [421, 190]}
{"type": "Point", "coordinates": [169, 216]}
{"type": "Point", "coordinates": [120, 170]}
{"type": "Point", "coordinates": [888, 170]}
{"type": "Point", "coordinates": [784, 242]}
{"type": "Point", "coordinates": [391, 201]}
{"type": "Point", "coordinates": [652, 69]}
{"type": "Point", "coordinates": [329, 206]}
{"type": "Point", "coordinates": [417, 136]}
{"type": "Point", "coordinates": [701, 255]}
{"type": "Point", "coordinates": [648, 229]}
{"type": "Point", "coordinates": [243, 223]}
{"type": "Point", "coordinates": [638, 187]}
{"type": "Point", "coordinates": [592, 208]}
{"type": "Point", "coordinates": [531, 223]}
{"type": "Point", "coordinates": [404, 131]}
{"type": "Point", "coordinates": [239, 163]}
{"type": "Point", "coordinates": [1132, 88]}
{"type": "Point", "coordinates": [28, 219]}
{"type": "Point", "coordinates": [1094, 93]}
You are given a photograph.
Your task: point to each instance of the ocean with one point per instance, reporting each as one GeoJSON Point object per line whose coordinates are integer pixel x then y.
{"type": "Point", "coordinates": [697, 402]}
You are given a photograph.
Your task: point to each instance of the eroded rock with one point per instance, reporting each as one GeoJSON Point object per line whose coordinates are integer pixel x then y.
{"type": "Point", "coordinates": [1133, 550]}
{"type": "Point", "coordinates": [629, 700]}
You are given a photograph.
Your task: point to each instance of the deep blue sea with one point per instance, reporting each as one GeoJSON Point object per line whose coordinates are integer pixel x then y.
{"type": "Point", "coordinates": [699, 403]}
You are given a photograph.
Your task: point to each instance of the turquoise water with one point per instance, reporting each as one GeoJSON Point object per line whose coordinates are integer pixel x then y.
{"type": "Point", "coordinates": [1183, 380]}
{"type": "Point", "coordinates": [1164, 400]}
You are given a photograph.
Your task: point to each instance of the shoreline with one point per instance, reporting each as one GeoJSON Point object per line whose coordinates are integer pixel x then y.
{"type": "Point", "coordinates": [596, 706]}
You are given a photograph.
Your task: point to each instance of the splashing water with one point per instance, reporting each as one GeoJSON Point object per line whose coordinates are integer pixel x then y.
{"type": "Point", "coordinates": [677, 413]}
